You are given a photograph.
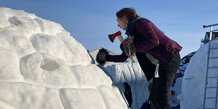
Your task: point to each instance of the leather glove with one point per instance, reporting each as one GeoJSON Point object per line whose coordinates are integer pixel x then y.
{"type": "Point", "coordinates": [101, 56]}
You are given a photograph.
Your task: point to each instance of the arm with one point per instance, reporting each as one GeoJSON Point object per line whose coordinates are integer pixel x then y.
{"type": "Point", "coordinates": [116, 58]}
{"type": "Point", "coordinates": [104, 56]}
{"type": "Point", "coordinates": [146, 30]}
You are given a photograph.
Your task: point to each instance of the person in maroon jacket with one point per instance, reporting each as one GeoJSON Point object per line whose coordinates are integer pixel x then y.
{"type": "Point", "coordinates": [149, 40]}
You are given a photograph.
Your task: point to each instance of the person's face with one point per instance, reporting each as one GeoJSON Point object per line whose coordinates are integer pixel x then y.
{"type": "Point", "coordinates": [122, 22]}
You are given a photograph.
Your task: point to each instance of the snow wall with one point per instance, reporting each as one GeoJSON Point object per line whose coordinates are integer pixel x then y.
{"type": "Point", "coordinates": [134, 76]}
{"type": "Point", "coordinates": [193, 86]}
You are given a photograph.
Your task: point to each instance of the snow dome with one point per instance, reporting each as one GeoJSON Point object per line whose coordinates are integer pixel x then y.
{"type": "Point", "coordinates": [43, 67]}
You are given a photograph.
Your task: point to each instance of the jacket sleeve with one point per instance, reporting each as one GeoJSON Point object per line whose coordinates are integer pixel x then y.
{"type": "Point", "coordinates": [150, 38]}
{"type": "Point", "coordinates": [117, 58]}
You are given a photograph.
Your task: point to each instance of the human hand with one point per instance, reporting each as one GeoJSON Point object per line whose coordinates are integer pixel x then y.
{"type": "Point", "coordinates": [101, 56]}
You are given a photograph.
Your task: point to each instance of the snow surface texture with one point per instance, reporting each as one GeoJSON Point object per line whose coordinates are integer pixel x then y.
{"type": "Point", "coordinates": [195, 77]}
{"type": "Point", "coordinates": [135, 77]}
{"type": "Point", "coordinates": [43, 67]}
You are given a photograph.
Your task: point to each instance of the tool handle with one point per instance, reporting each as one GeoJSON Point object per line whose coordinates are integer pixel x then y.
{"type": "Point", "coordinates": [132, 59]}
{"type": "Point", "coordinates": [120, 38]}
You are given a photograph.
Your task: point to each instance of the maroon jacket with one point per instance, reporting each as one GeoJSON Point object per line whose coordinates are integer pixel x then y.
{"type": "Point", "coordinates": [149, 39]}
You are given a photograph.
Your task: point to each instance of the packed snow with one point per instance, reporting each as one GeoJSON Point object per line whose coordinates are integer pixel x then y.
{"type": "Point", "coordinates": [134, 76]}
{"type": "Point", "coordinates": [43, 67]}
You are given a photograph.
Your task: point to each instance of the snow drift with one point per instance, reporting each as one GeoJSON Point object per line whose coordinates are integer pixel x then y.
{"type": "Point", "coordinates": [43, 67]}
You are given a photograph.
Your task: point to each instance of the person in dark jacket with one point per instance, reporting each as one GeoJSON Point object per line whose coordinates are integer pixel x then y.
{"type": "Point", "coordinates": [149, 40]}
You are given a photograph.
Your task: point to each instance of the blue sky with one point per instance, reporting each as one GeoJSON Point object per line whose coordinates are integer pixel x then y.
{"type": "Point", "coordinates": [90, 21]}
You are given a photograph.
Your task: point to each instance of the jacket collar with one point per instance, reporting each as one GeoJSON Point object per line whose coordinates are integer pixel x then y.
{"type": "Point", "coordinates": [130, 25]}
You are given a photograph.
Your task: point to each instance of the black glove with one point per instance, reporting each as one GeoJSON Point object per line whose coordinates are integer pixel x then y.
{"type": "Point", "coordinates": [101, 56]}
{"type": "Point", "coordinates": [121, 47]}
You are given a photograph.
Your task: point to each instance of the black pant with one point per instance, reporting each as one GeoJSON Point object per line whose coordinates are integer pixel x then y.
{"type": "Point", "coordinates": [146, 65]}
{"type": "Point", "coordinates": [160, 88]}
